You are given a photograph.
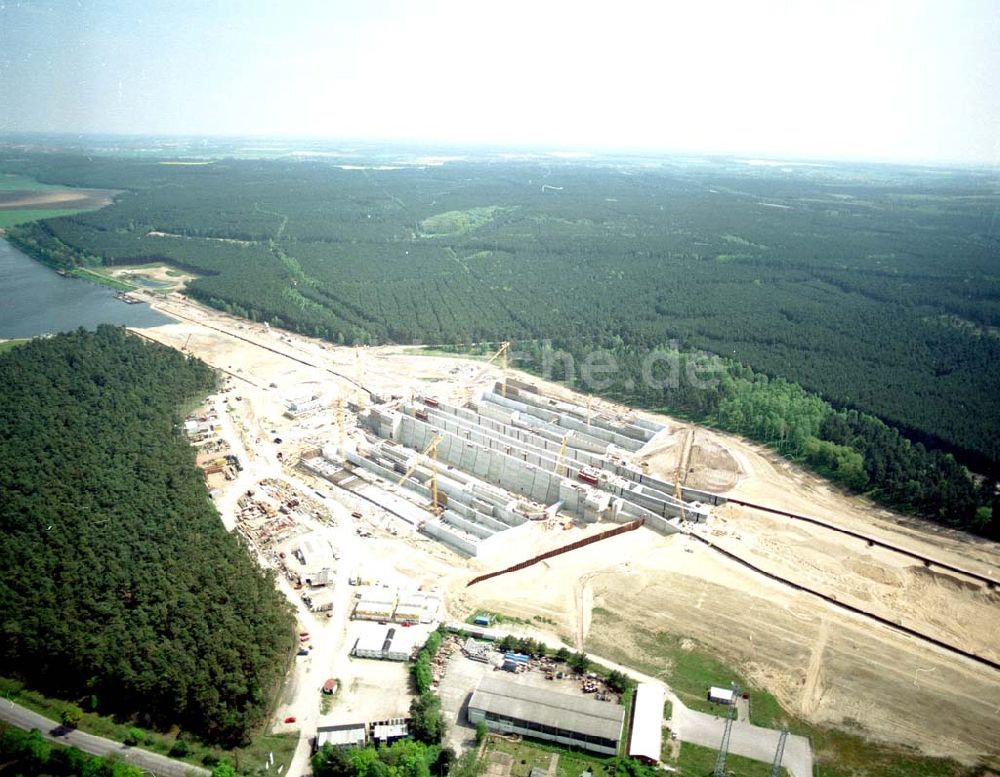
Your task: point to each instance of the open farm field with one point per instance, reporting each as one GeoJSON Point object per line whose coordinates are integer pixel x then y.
{"type": "Point", "coordinates": [24, 199]}
{"type": "Point", "coordinates": [15, 216]}
{"type": "Point", "coordinates": [12, 182]}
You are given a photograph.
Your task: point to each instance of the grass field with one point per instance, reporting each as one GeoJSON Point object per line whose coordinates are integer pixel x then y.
{"type": "Point", "coordinates": [697, 761]}
{"type": "Point", "coordinates": [11, 218]}
{"type": "Point", "coordinates": [458, 222]}
{"type": "Point", "coordinates": [6, 345]}
{"type": "Point", "coordinates": [247, 760]}
{"type": "Point", "coordinates": [98, 277]}
{"type": "Point", "coordinates": [529, 753]}
{"type": "Point", "coordinates": [22, 183]}
{"type": "Point", "coordinates": [837, 753]}
{"type": "Point", "coordinates": [692, 672]}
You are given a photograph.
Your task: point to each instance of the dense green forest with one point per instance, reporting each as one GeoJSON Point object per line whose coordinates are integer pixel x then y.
{"type": "Point", "coordinates": [119, 587]}
{"type": "Point", "coordinates": [874, 287]}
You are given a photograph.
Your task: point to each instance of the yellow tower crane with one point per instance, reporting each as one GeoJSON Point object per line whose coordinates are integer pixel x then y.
{"type": "Point", "coordinates": [562, 454]}
{"type": "Point", "coordinates": [342, 428]}
{"type": "Point", "coordinates": [358, 400]}
{"type": "Point", "coordinates": [681, 474]}
{"type": "Point", "coordinates": [432, 450]}
{"type": "Point", "coordinates": [501, 354]}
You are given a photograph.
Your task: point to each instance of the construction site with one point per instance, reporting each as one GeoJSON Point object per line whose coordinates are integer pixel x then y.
{"type": "Point", "coordinates": [472, 474]}
{"type": "Point", "coordinates": [598, 526]}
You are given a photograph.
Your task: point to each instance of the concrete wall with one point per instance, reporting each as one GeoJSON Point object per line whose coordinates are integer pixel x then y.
{"type": "Point", "coordinates": [658, 523]}
{"type": "Point", "coordinates": [626, 427]}
{"type": "Point", "coordinates": [469, 527]}
{"type": "Point", "coordinates": [453, 539]}
{"type": "Point", "coordinates": [522, 475]}
{"type": "Point", "coordinates": [504, 445]}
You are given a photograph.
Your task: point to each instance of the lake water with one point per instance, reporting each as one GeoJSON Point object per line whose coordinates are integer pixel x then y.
{"type": "Point", "coordinates": [36, 301]}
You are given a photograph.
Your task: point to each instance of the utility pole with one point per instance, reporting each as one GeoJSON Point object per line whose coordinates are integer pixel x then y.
{"type": "Point", "coordinates": [776, 766]}
{"type": "Point", "coordinates": [720, 759]}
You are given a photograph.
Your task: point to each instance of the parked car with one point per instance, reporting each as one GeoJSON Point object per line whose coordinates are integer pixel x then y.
{"type": "Point", "coordinates": [303, 651]}
{"type": "Point", "coordinates": [290, 719]}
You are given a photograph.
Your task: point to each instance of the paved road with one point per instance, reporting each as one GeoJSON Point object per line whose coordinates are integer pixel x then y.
{"type": "Point", "coordinates": [747, 740]}
{"type": "Point", "coordinates": [18, 716]}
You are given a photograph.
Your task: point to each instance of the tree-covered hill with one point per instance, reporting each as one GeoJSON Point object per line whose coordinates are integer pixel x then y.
{"type": "Point", "coordinates": [119, 585]}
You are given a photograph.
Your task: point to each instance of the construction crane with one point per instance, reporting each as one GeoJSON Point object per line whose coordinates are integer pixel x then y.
{"type": "Point", "coordinates": [779, 754]}
{"type": "Point", "coordinates": [501, 354]}
{"type": "Point", "coordinates": [679, 473]}
{"type": "Point", "coordinates": [562, 454]}
{"type": "Point", "coordinates": [357, 379]}
{"type": "Point", "coordinates": [342, 428]}
{"type": "Point", "coordinates": [432, 450]}
{"type": "Point", "coordinates": [720, 759]}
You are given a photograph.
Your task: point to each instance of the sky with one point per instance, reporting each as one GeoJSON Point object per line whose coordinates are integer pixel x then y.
{"type": "Point", "coordinates": [911, 80]}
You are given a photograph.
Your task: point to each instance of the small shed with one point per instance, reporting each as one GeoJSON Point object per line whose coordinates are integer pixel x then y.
{"type": "Point", "coordinates": [320, 600]}
{"type": "Point", "coordinates": [721, 695]}
{"type": "Point", "coordinates": [344, 735]}
{"type": "Point", "coordinates": [386, 732]}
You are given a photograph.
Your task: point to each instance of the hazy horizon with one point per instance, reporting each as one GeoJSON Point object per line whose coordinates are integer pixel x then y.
{"type": "Point", "coordinates": [845, 81]}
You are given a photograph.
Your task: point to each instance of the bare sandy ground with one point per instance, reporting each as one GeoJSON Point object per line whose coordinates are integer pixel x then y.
{"type": "Point", "coordinates": [153, 272]}
{"type": "Point", "coordinates": [823, 663]}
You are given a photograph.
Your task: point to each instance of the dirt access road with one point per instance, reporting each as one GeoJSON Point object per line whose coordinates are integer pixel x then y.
{"type": "Point", "coordinates": [824, 664]}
